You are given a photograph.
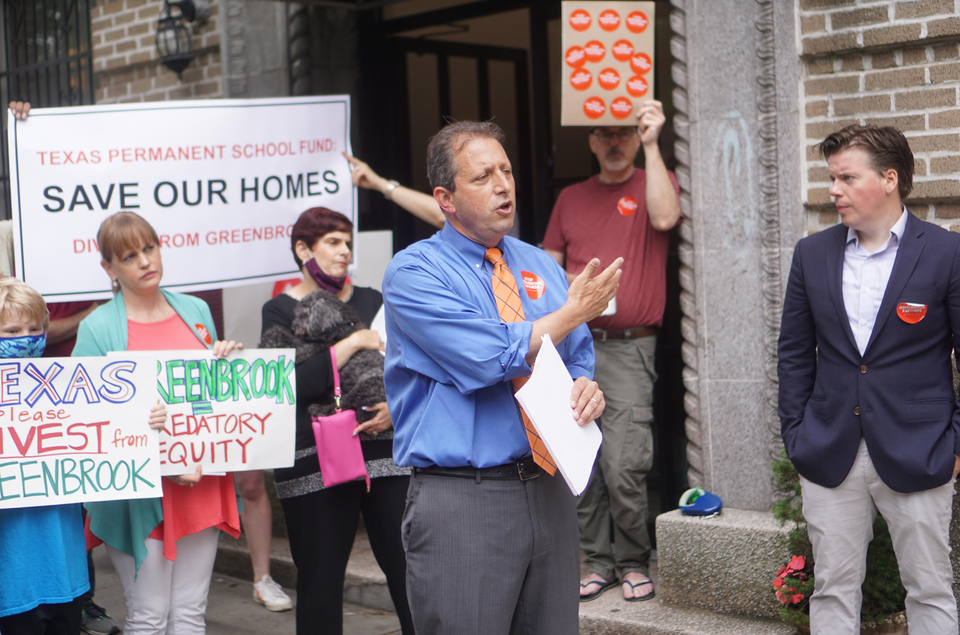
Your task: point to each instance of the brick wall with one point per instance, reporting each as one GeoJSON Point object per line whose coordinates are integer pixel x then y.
{"type": "Point", "coordinates": [125, 62]}
{"type": "Point", "coordinates": [888, 63]}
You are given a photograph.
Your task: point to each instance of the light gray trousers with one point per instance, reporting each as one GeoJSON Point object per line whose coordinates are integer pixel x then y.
{"type": "Point", "coordinates": [491, 558]}
{"type": "Point", "coordinates": [840, 523]}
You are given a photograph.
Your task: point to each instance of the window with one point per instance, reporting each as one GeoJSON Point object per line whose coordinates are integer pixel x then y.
{"type": "Point", "coordinates": [46, 59]}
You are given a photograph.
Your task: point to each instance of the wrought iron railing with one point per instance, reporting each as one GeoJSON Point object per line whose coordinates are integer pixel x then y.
{"type": "Point", "coordinates": [46, 58]}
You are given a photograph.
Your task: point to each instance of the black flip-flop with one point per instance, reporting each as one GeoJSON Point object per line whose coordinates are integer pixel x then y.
{"type": "Point", "coordinates": [603, 587]}
{"type": "Point", "coordinates": [642, 598]}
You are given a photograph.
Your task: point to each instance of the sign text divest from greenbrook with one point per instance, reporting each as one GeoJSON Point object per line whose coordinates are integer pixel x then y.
{"type": "Point", "coordinates": [225, 380]}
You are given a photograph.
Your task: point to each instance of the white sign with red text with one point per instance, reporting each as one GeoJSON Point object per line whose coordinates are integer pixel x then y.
{"type": "Point", "coordinates": [227, 415]}
{"type": "Point", "coordinates": [221, 181]}
{"type": "Point", "coordinates": [76, 429]}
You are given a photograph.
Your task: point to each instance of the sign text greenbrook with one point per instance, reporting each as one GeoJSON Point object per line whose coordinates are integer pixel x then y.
{"type": "Point", "coordinates": [218, 380]}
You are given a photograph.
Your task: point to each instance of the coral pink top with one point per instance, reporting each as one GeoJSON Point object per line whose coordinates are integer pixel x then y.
{"type": "Point", "coordinates": [213, 501]}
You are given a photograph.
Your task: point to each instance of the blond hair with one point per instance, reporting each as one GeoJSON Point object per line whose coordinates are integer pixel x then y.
{"type": "Point", "coordinates": [20, 298]}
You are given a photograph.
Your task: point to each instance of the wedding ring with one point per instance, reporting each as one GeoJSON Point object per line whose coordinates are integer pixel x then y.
{"type": "Point", "coordinates": [595, 401]}
{"type": "Point", "coordinates": [373, 434]}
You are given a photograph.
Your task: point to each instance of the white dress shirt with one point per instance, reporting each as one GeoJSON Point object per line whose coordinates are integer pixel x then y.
{"type": "Point", "coordinates": [865, 278]}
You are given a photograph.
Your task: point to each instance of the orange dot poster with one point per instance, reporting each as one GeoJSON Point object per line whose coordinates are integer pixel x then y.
{"type": "Point", "coordinates": [607, 66]}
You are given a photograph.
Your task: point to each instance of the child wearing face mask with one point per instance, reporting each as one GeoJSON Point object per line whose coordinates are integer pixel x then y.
{"type": "Point", "coordinates": [42, 550]}
{"type": "Point", "coordinates": [43, 553]}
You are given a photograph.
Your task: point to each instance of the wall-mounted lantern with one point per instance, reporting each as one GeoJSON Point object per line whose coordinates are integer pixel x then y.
{"type": "Point", "coordinates": [174, 40]}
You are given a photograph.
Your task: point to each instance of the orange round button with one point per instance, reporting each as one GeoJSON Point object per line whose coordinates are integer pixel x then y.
{"type": "Point", "coordinates": [594, 107]}
{"type": "Point", "coordinates": [575, 56]}
{"type": "Point", "coordinates": [621, 107]}
{"type": "Point", "coordinates": [637, 86]}
{"type": "Point", "coordinates": [204, 333]}
{"type": "Point", "coordinates": [911, 313]}
{"type": "Point", "coordinates": [627, 205]}
{"type": "Point", "coordinates": [623, 50]}
{"type": "Point", "coordinates": [580, 20]}
{"type": "Point", "coordinates": [594, 50]}
{"type": "Point", "coordinates": [581, 79]}
{"type": "Point", "coordinates": [609, 20]}
{"type": "Point", "coordinates": [637, 21]}
{"type": "Point", "coordinates": [608, 79]}
{"type": "Point", "coordinates": [533, 284]}
{"type": "Point", "coordinates": [640, 63]}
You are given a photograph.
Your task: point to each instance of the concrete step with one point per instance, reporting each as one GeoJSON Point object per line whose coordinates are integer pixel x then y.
{"type": "Point", "coordinates": [611, 615]}
{"type": "Point", "coordinates": [364, 584]}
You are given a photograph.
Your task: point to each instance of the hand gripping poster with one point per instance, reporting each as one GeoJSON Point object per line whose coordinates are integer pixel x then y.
{"type": "Point", "coordinates": [77, 429]}
{"type": "Point", "coordinates": [608, 61]}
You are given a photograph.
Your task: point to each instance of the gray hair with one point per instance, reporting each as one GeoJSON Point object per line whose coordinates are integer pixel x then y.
{"type": "Point", "coordinates": [449, 142]}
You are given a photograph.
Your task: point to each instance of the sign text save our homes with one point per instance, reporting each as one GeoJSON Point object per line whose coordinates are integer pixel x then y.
{"type": "Point", "coordinates": [222, 182]}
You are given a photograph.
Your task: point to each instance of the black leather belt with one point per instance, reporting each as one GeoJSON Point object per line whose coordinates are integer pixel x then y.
{"type": "Point", "coordinates": [602, 335]}
{"type": "Point", "coordinates": [523, 470]}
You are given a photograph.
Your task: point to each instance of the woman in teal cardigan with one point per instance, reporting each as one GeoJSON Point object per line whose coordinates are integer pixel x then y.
{"type": "Point", "coordinates": [162, 548]}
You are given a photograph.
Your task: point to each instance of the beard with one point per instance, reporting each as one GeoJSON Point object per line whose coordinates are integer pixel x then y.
{"type": "Point", "coordinates": [615, 161]}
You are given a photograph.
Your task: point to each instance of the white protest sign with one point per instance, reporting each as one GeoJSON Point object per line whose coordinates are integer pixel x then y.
{"type": "Point", "coordinates": [222, 182]}
{"type": "Point", "coordinates": [75, 429]}
{"type": "Point", "coordinates": [227, 415]}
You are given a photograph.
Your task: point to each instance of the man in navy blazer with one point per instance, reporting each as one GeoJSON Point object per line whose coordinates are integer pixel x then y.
{"type": "Point", "coordinates": [867, 410]}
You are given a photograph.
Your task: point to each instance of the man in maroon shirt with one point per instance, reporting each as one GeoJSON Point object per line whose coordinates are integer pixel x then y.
{"type": "Point", "coordinates": [623, 211]}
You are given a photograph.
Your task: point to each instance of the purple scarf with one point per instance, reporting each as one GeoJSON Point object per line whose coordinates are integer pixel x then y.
{"type": "Point", "coordinates": [331, 284]}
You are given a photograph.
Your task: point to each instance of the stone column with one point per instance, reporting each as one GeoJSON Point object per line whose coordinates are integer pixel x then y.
{"type": "Point", "coordinates": [737, 76]}
{"type": "Point", "coordinates": [254, 48]}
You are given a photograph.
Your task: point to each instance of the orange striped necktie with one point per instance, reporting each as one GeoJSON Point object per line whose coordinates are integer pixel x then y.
{"type": "Point", "coordinates": [511, 310]}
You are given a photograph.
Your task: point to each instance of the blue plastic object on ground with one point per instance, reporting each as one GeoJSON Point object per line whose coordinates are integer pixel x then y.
{"type": "Point", "coordinates": [699, 502]}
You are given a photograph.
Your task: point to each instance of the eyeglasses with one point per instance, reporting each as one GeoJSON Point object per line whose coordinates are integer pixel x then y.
{"type": "Point", "coordinates": [622, 135]}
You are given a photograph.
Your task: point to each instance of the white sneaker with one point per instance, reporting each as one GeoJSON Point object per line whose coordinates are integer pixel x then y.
{"type": "Point", "coordinates": [269, 593]}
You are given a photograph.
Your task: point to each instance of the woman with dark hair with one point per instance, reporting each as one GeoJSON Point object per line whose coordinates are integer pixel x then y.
{"type": "Point", "coordinates": [322, 521]}
{"type": "Point", "coordinates": [162, 548]}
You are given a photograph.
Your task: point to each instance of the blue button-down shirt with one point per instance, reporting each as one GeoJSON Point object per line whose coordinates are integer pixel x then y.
{"type": "Point", "coordinates": [865, 278]}
{"type": "Point", "coordinates": [449, 357]}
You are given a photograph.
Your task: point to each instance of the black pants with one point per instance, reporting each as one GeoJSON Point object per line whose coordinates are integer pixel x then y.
{"type": "Point", "coordinates": [90, 568]}
{"type": "Point", "coordinates": [321, 528]}
{"type": "Point", "coordinates": [46, 619]}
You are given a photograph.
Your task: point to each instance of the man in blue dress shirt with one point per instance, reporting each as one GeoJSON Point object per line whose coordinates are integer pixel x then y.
{"type": "Point", "coordinates": [491, 539]}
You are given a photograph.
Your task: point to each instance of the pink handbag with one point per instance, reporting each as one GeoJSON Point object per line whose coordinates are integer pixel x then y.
{"type": "Point", "coordinates": [341, 458]}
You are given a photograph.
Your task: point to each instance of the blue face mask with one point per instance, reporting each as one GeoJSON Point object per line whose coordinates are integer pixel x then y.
{"type": "Point", "coordinates": [22, 347]}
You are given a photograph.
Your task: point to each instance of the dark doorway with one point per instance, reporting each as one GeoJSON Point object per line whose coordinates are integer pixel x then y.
{"type": "Point", "coordinates": [501, 59]}
{"type": "Point", "coordinates": [452, 81]}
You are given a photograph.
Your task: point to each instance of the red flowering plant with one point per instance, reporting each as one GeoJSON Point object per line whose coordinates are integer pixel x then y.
{"type": "Point", "coordinates": [792, 588]}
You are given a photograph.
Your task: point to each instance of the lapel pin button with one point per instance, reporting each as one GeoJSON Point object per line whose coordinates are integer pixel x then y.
{"type": "Point", "coordinates": [910, 312]}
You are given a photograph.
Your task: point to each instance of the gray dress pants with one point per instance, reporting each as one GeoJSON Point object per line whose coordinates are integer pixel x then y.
{"type": "Point", "coordinates": [494, 557]}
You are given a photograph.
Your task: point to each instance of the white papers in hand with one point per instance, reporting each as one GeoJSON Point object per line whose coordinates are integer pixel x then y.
{"type": "Point", "coordinates": [546, 400]}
